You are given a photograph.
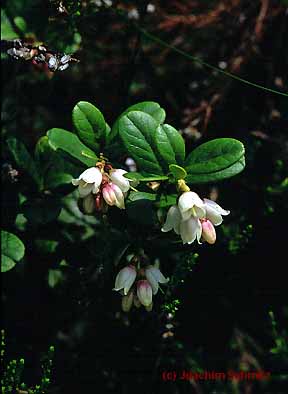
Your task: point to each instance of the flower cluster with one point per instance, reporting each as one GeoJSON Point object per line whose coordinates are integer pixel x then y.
{"type": "Point", "coordinates": [101, 186]}
{"type": "Point", "coordinates": [193, 218]}
{"type": "Point", "coordinates": [138, 292]}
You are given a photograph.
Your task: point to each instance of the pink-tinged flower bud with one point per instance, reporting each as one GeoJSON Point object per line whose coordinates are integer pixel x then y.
{"type": "Point", "coordinates": [118, 179]}
{"type": "Point", "coordinates": [113, 195]}
{"type": "Point", "coordinates": [144, 292]}
{"type": "Point", "coordinates": [208, 231]}
{"type": "Point", "coordinates": [127, 302]}
{"type": "Point", "coordinates": [125, 279]}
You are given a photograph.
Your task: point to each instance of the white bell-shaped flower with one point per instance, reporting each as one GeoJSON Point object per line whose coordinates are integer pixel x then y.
{"type": "Point", "coordinates": [173, 220]}
{"type": "Point", "coordinates": [88, 182]}
{"type": "Point", "coordinates": [190, 230]}
{"type": "Point", "coordinates": [125, 279]}
{"type": "Point", "coordinates": [190, 204]}
{"type": "Point", "coordinates": [155, 276]}
{"type": "Point", "coordinates": [214, 212]}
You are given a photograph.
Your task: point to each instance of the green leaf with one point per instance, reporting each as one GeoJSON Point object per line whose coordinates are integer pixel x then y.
{"type": "Point", "coordinates": [24, 160]}
{"type": "Point", "coordinates": [107, 131]}
{"type": "Point", "coordinates": [43, 150]}
{"type": "Point", "coordinates": [55, 179]}
{"type": "Point", "coordinates": [46, 246]}
{"type": "Point", "coordinates": [135, 196]}
{"type": "Point", "coordinates": [218, 175]}
{"type": "Point", "coordinates": [70, 143]}
{"type": "Point", "coordinates": [145, 178]}
{"type": "Point", "coordinates": [136, 131]}
{"type": "Point", "coordinates": [55, 277]}
{"type": "Point", "coordinates": [89, 123]}
{"type": "Point", "coordinates": [166, 200]}
{"type": "Point", "coordinates": [7, 31]}
{"type": "Point", "coordinates": [177, 171]}
{"type": "Point", "coordinates": [149, 107]}
{"type": "Point", "coordinates": [215, 155]}
{"type": "Point", "coordinates": [170, 144]}
{"type": "Point", "coordinates": [12, 250]}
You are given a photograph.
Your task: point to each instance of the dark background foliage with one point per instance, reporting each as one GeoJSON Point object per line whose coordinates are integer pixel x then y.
{"type": "Point", "coordinates": [215, 315]}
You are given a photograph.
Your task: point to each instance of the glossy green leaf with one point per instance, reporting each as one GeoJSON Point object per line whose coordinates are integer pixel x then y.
{"type": "Point", "coordinates": [161, 201]}
{"type": "Point", "coordinates": [54, 179]}
{"type": "Point", "coordinates": [145, 178]}
{"type": "Point", "coordinates": [136, 131]}
{"type": "Point", "coordinates": [70, 144]}
{"type": "Point", "coordinates": [12, 250]}
{"type": "Point", "coordinates": [24, 160]}
{"type": "Point", "coordinates": [43, 150]}
{"type": "Point", "coordinates": [170, 144]}
{"type": "Point", "coordinates": [215, 155]}
{"type": "Point", "coordinates": [228, 172]}
{"type": "Point", "coordinates": [135, 196]}
{"type": "Point", "coordinates": [177, 171]}
{"type": "Point", "coordinates": [89, 123]}
{"type": "Point", "coordinates": [149, 107]}
{"type": "Point", "coordinates": [107, 131]}
{"type": "Point", "coordinates": [166, 200]}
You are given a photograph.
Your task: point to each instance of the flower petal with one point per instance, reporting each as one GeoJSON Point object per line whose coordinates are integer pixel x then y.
{"type": "Point", "coordinates": [125, 279]}
{"type": "Point", "coordinates": [172, 220]}
{"type": "Point", "coordinates": [144, 292]}
{"type": "Point", "coordinates": [213, 205]}
{"type": "Point", "coordinates": [92, 175]}
{"type": "Point", "coordinates": [185, 201]}
{"type": "Point", "coordinates": [75, 182]}
{"type": "Point", "coordinates": [119, 196]}
{"type": "Point", "coordinates": [186, 215]}
{"type": "Point", "coordinates": [152, 280]}
{"type": "Point", "coordinates": [84, 189]}
{"type": "Point", "coordinates": [208, 232]}
{"type": "Point", "coordinates": [118, 179]}
{"type": "Point", "coordinates": [190, 229]}
{"type": "Point", "coordinates": [189, 204]}
{"type": "Point", "coordinates": [157, 274]}
{"type": "Point", "coordinates": [200, 211]}
{"type": "Point", "coordinates": [214, 216]}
